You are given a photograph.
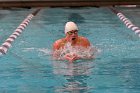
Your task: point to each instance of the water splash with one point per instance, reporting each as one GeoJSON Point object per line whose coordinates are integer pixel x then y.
{"type": "Point", "coordinates": [84, 53]}
{"type": "Point", "coordinates": [81, 52]}
{"type": "Point", "coordinates": [45, 51]}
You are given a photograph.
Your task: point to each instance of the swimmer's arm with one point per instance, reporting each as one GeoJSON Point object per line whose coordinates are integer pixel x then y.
{"type": "Point", "coordinates": [56, 53]}
{"type": "Point", "coordinates": [91, 56]}
{"type": "Point", "coordinates": [87, 43]}
{"type": "Point", "coordinates": [71, 57]}
{"type": "Point", "coordinates": [56, 46]}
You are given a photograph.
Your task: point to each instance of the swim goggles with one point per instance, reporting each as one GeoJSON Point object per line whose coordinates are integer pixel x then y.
{"type": "Point", "coordinates": [73, 31]}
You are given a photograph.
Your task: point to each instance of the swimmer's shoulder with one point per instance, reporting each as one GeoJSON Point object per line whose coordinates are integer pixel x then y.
{"type": "Point", "coordinates": [58, 43]}
{"type": "Point", "coordinates": [85, 40]}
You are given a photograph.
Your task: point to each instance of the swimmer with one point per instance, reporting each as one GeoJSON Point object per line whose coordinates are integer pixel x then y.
{"type": "Point", "coordinates": [72, 37]}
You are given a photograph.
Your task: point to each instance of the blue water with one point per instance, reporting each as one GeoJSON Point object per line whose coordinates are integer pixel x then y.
{"type": "Point", "coordinates": [28, 67]}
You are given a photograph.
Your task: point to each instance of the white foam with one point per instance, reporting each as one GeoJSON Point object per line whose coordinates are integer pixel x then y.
{"type": "Point", "coordinates": [80, 51]}
{"type": "Point", "coordinates": [45, 50]}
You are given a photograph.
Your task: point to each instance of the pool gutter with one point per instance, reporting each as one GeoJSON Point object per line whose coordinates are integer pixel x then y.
{"type": "Point", "coordinates": [66, 3]}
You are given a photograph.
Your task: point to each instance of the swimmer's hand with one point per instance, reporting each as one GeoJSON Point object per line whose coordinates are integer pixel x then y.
{"type": "Point", "coordinates": [71, 57]}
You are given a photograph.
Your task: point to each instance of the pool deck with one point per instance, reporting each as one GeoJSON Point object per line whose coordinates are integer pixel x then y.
{"type": "Point", "coordinates": [64, 3]}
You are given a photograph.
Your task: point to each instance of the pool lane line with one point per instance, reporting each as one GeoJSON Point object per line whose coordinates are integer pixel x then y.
{"type": "Point", "coordinates": [126, 21]}
{"type": "Point", "coordinates": [7, 44]}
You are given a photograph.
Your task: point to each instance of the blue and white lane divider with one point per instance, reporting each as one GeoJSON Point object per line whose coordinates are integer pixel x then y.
{"type": "Point", "coordinates": [127, 22]}
{"type": "Point", "coordinates": [7, 44]}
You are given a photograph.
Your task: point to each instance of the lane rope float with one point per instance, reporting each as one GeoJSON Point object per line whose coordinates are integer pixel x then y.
{"type": "Point", "coordinates": [126, 21]}
{"type": "Point", "coordinates": [8, 42]}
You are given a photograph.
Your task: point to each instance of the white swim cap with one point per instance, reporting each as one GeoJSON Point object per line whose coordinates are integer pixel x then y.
{"type": "Point", "coordinates": [70, 26]}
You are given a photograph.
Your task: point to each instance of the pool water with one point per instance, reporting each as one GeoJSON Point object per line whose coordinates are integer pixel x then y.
{"type": "Point", "coordinates": [28, 67]}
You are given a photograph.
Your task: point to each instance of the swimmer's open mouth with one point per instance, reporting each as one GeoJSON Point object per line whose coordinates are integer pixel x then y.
{"type": "Point", "coordinates": [73, 38]}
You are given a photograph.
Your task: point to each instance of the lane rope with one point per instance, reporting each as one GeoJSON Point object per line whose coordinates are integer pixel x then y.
{"type": "Point", "coordinates": [126, 21]}
{"type": "Point", "coordinates": [8, 42]}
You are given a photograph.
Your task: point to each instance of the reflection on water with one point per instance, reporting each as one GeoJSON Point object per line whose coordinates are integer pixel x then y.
{"type": "Point", "coordinates": [75, 17]}
{"type": "Point", "coordinates": [75, 69]}
{"type": "Point", "coordinates": [75, 74]}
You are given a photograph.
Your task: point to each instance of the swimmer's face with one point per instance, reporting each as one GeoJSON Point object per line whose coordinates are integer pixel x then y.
{"type": "Point", "coordinates": [72, 35]}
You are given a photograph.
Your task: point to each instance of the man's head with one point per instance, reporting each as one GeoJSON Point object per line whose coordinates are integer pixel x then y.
{"type": "Point", "coordinates": [70, 26]}
{"type": "Point", "coordinates": [71, 30]}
